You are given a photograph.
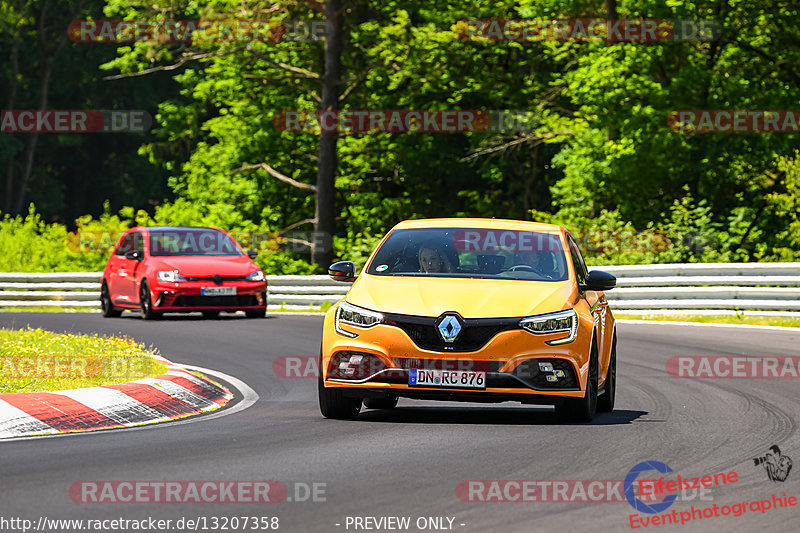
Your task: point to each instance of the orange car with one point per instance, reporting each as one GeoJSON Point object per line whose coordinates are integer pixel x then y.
{"type": "Point", "coordinates": [473, 310]}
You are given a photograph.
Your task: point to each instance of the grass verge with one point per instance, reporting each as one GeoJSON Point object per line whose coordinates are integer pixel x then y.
{"type": "Point", "coordinates": [35, 360]}
{"type": "Point", "coordinates": [785, 321]}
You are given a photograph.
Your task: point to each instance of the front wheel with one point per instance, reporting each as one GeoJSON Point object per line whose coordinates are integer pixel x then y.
{"type": "Point", "coordinates": [105, 303]}
{"type": "Point", "coordinates": [605, 403]}
{"type": "Point", "coordinates": [333, 404]}
{"type": "Point", "coordinates": [582, 409]}
{"type": "Point", "coordinates": [146, 304]}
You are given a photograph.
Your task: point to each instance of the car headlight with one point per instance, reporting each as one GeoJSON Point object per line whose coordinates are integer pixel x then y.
{"type": "Point", "coordinates": [258, 275]}
{"type": "Point", "coordinates": [170, 276]}
{"type": "Point", "coordinates": [355, 316]}
{"type": "Point", "coordinates": [566, 321]}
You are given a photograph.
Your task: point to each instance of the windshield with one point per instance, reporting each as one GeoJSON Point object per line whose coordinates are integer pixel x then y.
{"type": "Point", "coordinates": [471, 253]}
{"type": "Point", "coordinates": [192, 241]}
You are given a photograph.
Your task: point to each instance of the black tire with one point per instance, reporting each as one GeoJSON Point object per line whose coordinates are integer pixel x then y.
{"type": "Point", "coordinates": [582, 409]}
{"type": "Point", "coordinates": [381, 403]}
{"type": "Point", "coordinates": [332, 404]}
{"type": "Point", "coordinates": [107, 308]}
{"type": "Point", "coordinates": [605, 403]}
{"type": "Point", "coordinates": [210, 314]}
{"type": "Point", "coordinates": [145, 304]}
{"type": "Point", "coordinates": [261, 313]}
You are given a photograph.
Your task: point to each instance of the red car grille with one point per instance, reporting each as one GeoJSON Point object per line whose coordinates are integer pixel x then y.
{"type": "Point", "coordinates": [196, 300]}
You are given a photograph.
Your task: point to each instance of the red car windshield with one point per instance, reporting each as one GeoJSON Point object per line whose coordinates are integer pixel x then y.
{"type": "Point", "coordinates": [191, 241]}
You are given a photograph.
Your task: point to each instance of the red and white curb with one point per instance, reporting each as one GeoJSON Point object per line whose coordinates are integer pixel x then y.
{"type": "Point", "coordinates": [176, 394]}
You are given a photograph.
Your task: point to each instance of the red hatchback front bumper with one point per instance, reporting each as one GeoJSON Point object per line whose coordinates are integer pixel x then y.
{"type": "Point", "coordinates": [188, 296]}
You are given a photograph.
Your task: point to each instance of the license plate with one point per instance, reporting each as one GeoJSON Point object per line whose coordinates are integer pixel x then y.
{"type": "Point", "coordinates": [460, 379]}
{"type": "Point", "coordinates": [218, 291]}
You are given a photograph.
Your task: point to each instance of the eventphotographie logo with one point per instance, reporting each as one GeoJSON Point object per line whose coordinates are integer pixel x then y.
{"type": "Point", "coordinates": [776, 464]}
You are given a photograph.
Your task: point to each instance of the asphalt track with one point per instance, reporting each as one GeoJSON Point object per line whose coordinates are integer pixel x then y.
{"type": "Point", "coordinates": [408, 462]}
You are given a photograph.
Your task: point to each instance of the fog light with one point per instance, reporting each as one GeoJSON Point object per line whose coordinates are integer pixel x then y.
{"type": "Point", "coordinates": [546, 367]}
{"type": "Point", "coordinates": [160, 297]}
{"type": "Point", "coordinates": [354, 365]}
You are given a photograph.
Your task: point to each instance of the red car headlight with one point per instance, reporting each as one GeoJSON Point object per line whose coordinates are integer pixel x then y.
{"type": "Point", "coordinates": [258, 275]}
{"type": "Point", "coordinates": [170, 276]}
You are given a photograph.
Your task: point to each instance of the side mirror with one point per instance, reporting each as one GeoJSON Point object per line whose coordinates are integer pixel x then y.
{"type": "Point", "coordinates": [597, 280]}
{"type": "Point", "coordinates": [252, 254]}
{"type": "Point", "coordinates": [134, 255]}
{"type": "Point", "coordinates": [342, 271]}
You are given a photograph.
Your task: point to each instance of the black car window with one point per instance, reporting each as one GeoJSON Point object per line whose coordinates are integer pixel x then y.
{"type": "Point", "coordinates": [577, 260]}
{"type": "Point", "coordinates": [126, 245]}
{"type": "Point", "coordinates": [191, 241]}
{"type": "Point", "coordinates": [138, 241]}
{"type": "Point", "coordinates": [471, 253]}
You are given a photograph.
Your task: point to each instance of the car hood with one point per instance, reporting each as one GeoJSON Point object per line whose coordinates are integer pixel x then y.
{"type": "Point", "coordinates": [209, 265]}
{"type": "Point", "coordinates": [471, 298]}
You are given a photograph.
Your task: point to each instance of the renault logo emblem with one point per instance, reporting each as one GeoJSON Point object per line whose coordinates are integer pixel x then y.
{"type": "Point", "coordinates": [449, 327]}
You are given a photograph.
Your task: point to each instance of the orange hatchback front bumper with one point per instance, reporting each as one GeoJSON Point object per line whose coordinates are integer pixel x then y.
{"type": "Point", "coordinates": [515, 364]}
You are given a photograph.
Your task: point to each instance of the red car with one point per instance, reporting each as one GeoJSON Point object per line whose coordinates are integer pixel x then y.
{"type": "Point", "coordinates": [182, 269]}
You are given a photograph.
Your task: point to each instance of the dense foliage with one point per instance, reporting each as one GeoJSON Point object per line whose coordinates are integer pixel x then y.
{"type": "Point", "coordinates": [597, 155]}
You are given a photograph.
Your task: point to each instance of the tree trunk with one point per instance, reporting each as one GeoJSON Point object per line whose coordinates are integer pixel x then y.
{"type": "Point", "coordinates": [49, 57]}
{"type": "Point", "coordinates": [30, 148]}
{"type": "Point", "coordinates": [325, 212]}
{"type": "Point", "coordinates": [14, 57]}
{"type": "Point", "coordinates": [611, 9]}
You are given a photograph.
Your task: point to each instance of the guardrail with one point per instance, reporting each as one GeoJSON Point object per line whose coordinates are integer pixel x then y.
{"type": "Point", "coordinates": [771, 287]}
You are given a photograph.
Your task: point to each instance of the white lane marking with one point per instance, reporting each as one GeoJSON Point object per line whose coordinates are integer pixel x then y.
{"type": "Point", "coordinates": [14, 421]}
{"type": "Point", "coordinates": [115, 405]}
{"type": "Point", "coordinates": [706, 324]}
{"type": "Point", "coordinates": [249, 397]}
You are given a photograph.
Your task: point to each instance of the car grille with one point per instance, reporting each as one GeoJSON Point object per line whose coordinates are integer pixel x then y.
{"type": "Point", "coordinates": [196, 300]}
{"type": "Point", "coordinates": [448, 364]}
{"type": "Point", "coordinates": [475, 333]}
{"type": "Point", "coordinates": [211, 278]}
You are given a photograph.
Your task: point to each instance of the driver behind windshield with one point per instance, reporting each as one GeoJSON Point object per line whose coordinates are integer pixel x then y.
{"type": "Point", "coordinates": [433, 260]}
{"type": "Point", "coordinates": [530, 259]}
